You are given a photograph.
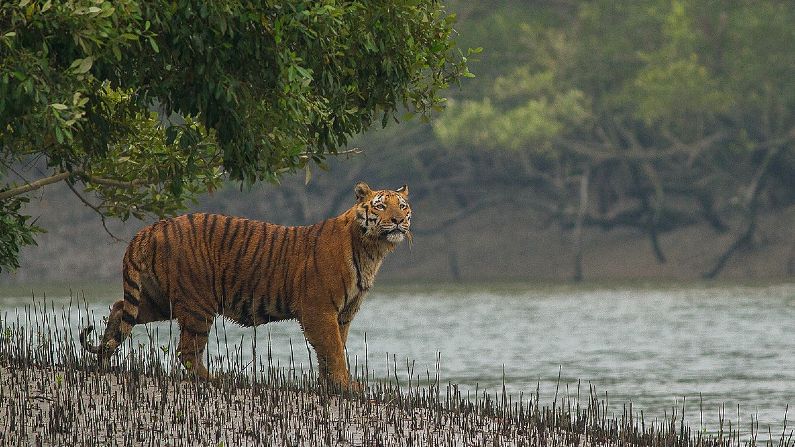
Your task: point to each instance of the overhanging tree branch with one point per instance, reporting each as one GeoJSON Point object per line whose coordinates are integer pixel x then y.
{"type": "Point", "coordinates": [13, 192]}
{"type": "Point", "coordinates": [751, 205]}
{"type": "Point", "coordinates": [116, 183]}
{"type": "Point", "coordinates": [63, 175]}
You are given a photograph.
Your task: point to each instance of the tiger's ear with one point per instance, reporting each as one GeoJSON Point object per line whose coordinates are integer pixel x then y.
{"type": "Point", "coordinates": [403, 190]}
{"type": "Point", "coordinates": [362, 191]}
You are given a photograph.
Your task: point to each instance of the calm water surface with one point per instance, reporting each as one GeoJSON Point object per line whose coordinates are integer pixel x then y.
{"type": "Point", "coordinates": [652, 346]}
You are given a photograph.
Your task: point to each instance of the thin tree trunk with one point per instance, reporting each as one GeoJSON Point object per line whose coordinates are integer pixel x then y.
{"type": "Point", "coordinates": [655, 242]}
{"type": "Point", "coordinates": [752, 211]}
{"type": "Point", "coordinates": [452, 257]}
{"type": "Point", "coordinates": [578, 230]}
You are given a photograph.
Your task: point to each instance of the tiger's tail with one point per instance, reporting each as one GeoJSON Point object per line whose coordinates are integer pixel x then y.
{"type": "Point", "coordinates": [122, 318]}
{"type": "Point", "coordinates": [94, 349]}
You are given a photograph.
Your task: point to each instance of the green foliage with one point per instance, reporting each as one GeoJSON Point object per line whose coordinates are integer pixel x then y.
{"type": "Point", "coordinates": [156, 170]}
{"type": "Point", "coordinates": [642, 102]}
{"type": "Point", "coordinates": [16, 231]}
{"type": "Point", "coordinates": [147, 104]}
{"type": "Point", "coordinates": [524, 109]}
{"type": "Point", "coordinates": [658, 90]}
{"type": "Point", "coordinates": [660, 69]}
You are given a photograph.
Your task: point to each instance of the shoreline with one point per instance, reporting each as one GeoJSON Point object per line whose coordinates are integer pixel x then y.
{"type": "Point", "coordinates": [57, 405]}
{"type": "Point", "coordinates": [52, 394]}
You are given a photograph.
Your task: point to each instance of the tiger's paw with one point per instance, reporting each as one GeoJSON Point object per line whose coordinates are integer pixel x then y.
{"type": "Point", "coordinates": [348, 387]}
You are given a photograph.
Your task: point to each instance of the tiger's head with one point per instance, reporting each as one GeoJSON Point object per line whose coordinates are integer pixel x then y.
{"type": "Point", "coordinates": [384, 215]}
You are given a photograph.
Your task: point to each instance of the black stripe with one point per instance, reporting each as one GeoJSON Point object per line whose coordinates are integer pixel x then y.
{"type": "Point", "coordinates": [211, 261]}
{"type": "Point", "coordinates": [166, 241]}
{"type": "Point", "coordinates": [129, 282]}
{"type": "Point", "coordinates": [279, 305]}
{"type": "Point", "coordinates": [245, 318]}
{"type": "Point", "coordinates": [303, 279]}
{"type": "Point", "coordinates": [223, 290]}
{"type": "Point", "coordinates": [227, 221]}
{"type": "Point", "coordinates": [275, 260]}
{"type": "Point", "coordinates": [233, 311]}
{"type": "Point", "coordinates": [317, 244]}
{"type": "Point", "coordinates": [127, 318]}
{"type": "Point", "coordinates": [280, 261]}
{"type": "Point", "coordinates": [262, 309]}
{"type": "Point", "coordinates": [242, 250]}
{"type": "Point", "coordinates": [213, 222]}
{"type": "Point", "coordinates": [130, 298]}
{"type": "Point", "coordinates": [287, 266]}
{"type": "Point", "coordinates": [166, 259]}
{"type": "Point", "coordinates": [224, 283]}
{"type": "Point", "coordinates": [345, 292]}
{"type": "Point", "coordinates": [356, 266]}
{"type": "Point", "coordinates": [233, 236]}
{"type": "Point", "coordinates": [153, 249]}
{"type": "Point", "coordinates": [155, 302]}
{"type": "Point", "coordinates": [192, 225]}
{"type": "Point", "coordinates": [256, 263]}
{"type": "Point", "coordinates": [246, 233]}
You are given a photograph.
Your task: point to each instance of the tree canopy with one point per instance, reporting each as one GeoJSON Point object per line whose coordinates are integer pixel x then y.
{"type": "Point", "coordinates": [652, 114]}
{"type": "Point", "coordinates": [145, 104]}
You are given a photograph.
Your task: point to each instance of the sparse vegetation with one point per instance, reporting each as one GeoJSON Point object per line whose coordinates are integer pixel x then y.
{"type": "Point", "coordinates": [53, 395]}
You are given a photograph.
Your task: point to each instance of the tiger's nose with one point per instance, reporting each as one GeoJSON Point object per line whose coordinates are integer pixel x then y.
{"type": "Point", "coordinates": [396, 221]}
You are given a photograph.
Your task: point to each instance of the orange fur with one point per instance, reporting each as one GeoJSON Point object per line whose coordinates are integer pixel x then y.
{"type": "Point", "coordinates": [196, 266]}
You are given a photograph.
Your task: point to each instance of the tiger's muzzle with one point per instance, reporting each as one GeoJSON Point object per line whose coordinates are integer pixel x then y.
{"type": "Point", "coordinates": [394, 233]}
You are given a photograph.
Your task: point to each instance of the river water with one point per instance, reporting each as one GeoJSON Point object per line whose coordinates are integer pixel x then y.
{"type": "Point", "coordinates": [715, 347]}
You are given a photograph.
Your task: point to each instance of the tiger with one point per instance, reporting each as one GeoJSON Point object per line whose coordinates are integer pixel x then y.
{"type": "Point", "coordinates": [196, 267]}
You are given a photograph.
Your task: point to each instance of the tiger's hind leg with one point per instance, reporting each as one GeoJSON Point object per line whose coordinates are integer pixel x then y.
{"type": "Point", "coordinates": [194, 330]}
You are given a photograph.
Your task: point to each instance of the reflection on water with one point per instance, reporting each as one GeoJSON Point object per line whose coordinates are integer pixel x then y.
{"type": "Point", "coordinates": [712, 346]}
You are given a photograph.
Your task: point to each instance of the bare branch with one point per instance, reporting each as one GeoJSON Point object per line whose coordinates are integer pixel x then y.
{"type": "Point", "coordinates": [13, 192]}
{"type": "Point", "coordinates": [96, 210]}
{"type": "Point", "coordinates": [63, 175]}
{"type": "Point", "coordinates": [477, 206]}
{"type": "Point", "coordinates": [354, 151]}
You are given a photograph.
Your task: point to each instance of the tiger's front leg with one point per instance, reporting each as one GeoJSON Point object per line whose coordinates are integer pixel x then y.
{"type": "Point", "coordinates": [323, 333]}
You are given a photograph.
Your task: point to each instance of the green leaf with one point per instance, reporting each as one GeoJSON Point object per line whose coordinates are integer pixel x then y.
{"type": "Point", "coordinates": [83, 65]}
